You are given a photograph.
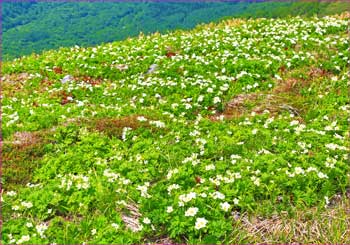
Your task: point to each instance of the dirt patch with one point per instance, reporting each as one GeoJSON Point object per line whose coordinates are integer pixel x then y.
{"type": "Point", "coordinates": [90, 80]}
{"type": "Point", "coordinates": [275, 104]}
{"type": "Point", "coordinates": [288, 85]}
{"type": "Point", "coordinates": [14, 78]}
{"type": "Point", "coordinates": [13, 83]}
{"type": "Point", "coordinates": [62, 96]}
{"type": "Point", "coordinates": [20, 157]}
{"type": "Point", "coordinates": [294, 85]}
{"type": "Point", "coordinates": [259, 103]}
{"type": "Point", "coordinates": [344, 16]}
{"type": "Point", "coordinates": [236, 107]}
{"type": "Point", "coordinates": [25, 139]}
{"type": "Point", "coordinates": [286, 96]}
{"type": "Point", "coordinates": [115, 126]}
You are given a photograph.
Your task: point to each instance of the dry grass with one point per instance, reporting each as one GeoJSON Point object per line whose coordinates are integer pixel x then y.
{"type": "Point", "coordinates": [344, 15]}
{"type": "Point", "coordinates": [229, 22]}
{"type": "Point", "coordinates": [307, 226]}
{"type": "Point", "coordinates": [131, 219]}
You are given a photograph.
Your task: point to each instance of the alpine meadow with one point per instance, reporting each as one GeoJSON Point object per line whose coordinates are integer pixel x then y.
{"type": "Point", "coordinates": [231, 132]}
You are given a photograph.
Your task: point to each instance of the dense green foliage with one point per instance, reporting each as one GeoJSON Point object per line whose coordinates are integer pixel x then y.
{"type": "Point", "coordinates": [36, 26]}
{"type": "Point", "coordinates": [176, 135]}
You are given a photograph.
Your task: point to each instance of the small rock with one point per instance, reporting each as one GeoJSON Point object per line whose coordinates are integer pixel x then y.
{"type": "Point", "coordinates": [120, 67]}
{"type": "Point", "coordinates": [152, 69]}
{"type": "Point", "coordinates": [236, 215]}
{"type": "Point", "coordinates": [66, 79]}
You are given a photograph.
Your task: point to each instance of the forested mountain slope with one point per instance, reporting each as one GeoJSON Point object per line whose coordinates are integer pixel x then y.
{"type": "Point", "coordinates": [35, 26]}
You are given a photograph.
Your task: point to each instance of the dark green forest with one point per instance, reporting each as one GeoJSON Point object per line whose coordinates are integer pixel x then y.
{"type": "Point", "coordinates": [32, 27]}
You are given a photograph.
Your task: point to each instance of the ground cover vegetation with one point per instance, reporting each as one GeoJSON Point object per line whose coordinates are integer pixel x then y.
{"type": "Point", "coordinates": [232, 132]}
{"type": "Point", "coordinates": [36, 26]}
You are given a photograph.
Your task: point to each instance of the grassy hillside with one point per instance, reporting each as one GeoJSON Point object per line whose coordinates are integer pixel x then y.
{"type": "Point", "coordinates": [233, 132]}
{"type": "Point", "coordinates": [36, 26]}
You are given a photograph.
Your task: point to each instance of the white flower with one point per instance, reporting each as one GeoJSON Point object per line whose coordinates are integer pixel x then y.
{"type": "Point", "coordinates": [80, 103]}
{"type": "Point", "coordinates": [24, 238]}
{"type": "Point", "coordinates": [171, 172]}
{"type": "Point", "coordinates": [187, 197]}
{"type": "Point", "coordinates": [172, 187]}
{"type": "Point", "coordinates": [327, 201]}
{"type": "Point", "coordinates": [143, 189]}
{"type": "Point", "coordinates": [225, 206]}
{"type": "Point", "coordinates": [278, 77]}
{"type": "Point", "coordinates": [192, 211]}
{"type": "Point", "coordinates": [311, 169]}
{"type": "Point", "coordinates": [217, 195]}
{"type": "Point", "coordinates": [203, 195]}
{"type": "Point", "coordinates": [216, 100]}
{"type": "Point", "coordinates": [233, 156]}
{"type": "Point", "coordinates": [254, 131]}
{"type": "Point", "coordinates": [333, 146]}
{"type": "Point", "coordinates": [255, 180]}
{"type": "Point", "coordinates": [141, 119]}
{"type": "Point", "coordinates": [115, 226]}
{"type": "Point", "coordinates": [138, 228]}
{"type": "Point", "coordinates": [224, 87]}
{"type": "Point", "coordinates": [200, 223]}
{"type": "Point", "coordinates": [337, 136]}
{"type": "Point", "coordinates": [11, 193]}
{"type": "Point", "coordinates": [322, 175]}
{"type": "Point", "coordinates": [41, 228]}
{"type": "Point", "coordinates": [200, 98]}
{"type": "Point", "coordinates": [27, 204]}
{"type": "Point", "coordinates": [28, 224]}
{"type": "Point", "coordinates": [294, 122]}
{"type": "Point", "coordinates": [235, 201]}
{"type": "Point", "coordinates": [146, 221]}
{"type": "Point", "coordinates": [299, 129]}
{"type": "Point", "coordinates": [169, 209]}
{"type": "Point", "coordinates": [299, 170]}
{"type": "Point", "coordinates": [330, 162]}
{"type": "Point", "coordinates": [210, 167]}
{"type": "Point", "coordinates": [188, 106]}
{"type": "Point", "coordinates": [93, 232]}
{"type": "Point", "coordinates": [158, 124]}
{"type": "Point", "coordinates": [15, 207]}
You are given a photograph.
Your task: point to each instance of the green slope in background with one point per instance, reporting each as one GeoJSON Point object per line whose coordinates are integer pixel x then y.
{"type": "Point", "coordinates": [36, 26]}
